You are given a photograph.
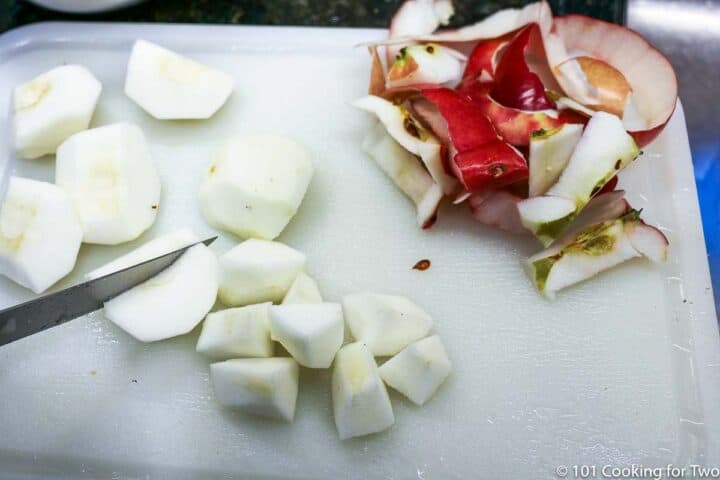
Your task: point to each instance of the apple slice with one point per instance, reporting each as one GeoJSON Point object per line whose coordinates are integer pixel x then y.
{"type": "Point", "coordinates": [361, 404]}
{"type": "Point", "coordinates": [426, 63]}
{"type": "Point", "coordinates": [418, 370]}
{"type": "Point", "coordinates": [594, 249]}
{"type": "Point", "coordinates": [649, 75]}
{"type": "Point", "coordinates": [266, 387]}
{"type": "Point", "coordinates": [303, 290]}
{"type": "Point", "coordinates": [255, 185]}
{"type": "Point", "coordinates": [603, 150]}
{"type": "Point", "coordinates": [154, 248]}
{"type": "Point", "coordinates": [406, 172]}
{"type": "Point", "coordinates": [408, 132]}
{"type": "Point", "coordinates": [51, 107]}
{"type": "Point", "coordinates": [173, 302]}
{"type": "Point", "coordinates": [237, 332]}
{"type": "Point", "coordinates": [385, 323]}
{"type": "Point", "coordinates": [258, 271]}
{"type": "Point", "coordinates": [112, 180]}
{"type": "Point", "coordinates": [40, 234]}
{"type": "Point", "coordinates": [550, 152]}
{"type": "Point", "coordinates": [170, 86]}
{"type": "Point", "coordinates": [312, 333]}
{"type": "Point", "coordinates": [498, 208]}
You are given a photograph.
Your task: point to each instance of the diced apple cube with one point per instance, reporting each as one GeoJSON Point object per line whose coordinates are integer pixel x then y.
{"type": "Point", "coordinates": [361, 404]}
{"type": "Point", "coordinates": [418, 370]}
{"type": "Point", "coordinates": [237, 332]}
{"type": "Point", "coordinates": [258, 271]}
{"type": "Point", "coordinates": [385, 323]}
{"type": "Point", "coordinates": [266, 387]}
{"type": "Point", "coordinates": [312, 333]}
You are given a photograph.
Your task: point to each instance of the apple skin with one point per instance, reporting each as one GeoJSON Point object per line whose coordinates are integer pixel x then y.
{"type": "Point", "coordinates": [517, 126]}
{"type": "Point", "coordinates": [516, 85]}
{"type": "Point", "coordinates": [484, 57]}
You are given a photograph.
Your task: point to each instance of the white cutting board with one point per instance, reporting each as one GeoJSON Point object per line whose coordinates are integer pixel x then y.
{"type": "Point", "coordinates": [623, 369]}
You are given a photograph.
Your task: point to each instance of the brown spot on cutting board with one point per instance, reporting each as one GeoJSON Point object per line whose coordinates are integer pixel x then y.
{"type": "Point", "coordinates": [422, 265]}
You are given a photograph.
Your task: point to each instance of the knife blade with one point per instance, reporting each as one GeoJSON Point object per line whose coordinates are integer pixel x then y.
{"type": "Point", "coordinates": [59, 307]}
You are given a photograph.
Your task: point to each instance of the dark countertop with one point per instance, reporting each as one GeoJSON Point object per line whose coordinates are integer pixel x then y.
{"type": "Point", "coordinates": [340, 13]}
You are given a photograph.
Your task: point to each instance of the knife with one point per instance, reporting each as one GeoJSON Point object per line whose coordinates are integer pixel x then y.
{"type": "Point", "coordinates": [57, 308]}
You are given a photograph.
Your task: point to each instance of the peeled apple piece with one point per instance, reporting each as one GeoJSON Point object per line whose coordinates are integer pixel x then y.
{"type": "Point", "coordinates": [51, 107]}
{"type": "Point", "coordinates": [40, 234]}
{"type": "Point", "coordinates": [257, 271]}
{"type": "Point", "coordinates": [154, 248]}
{"type": "Point", "coordinates": [406, 172]}
{"type": "Point", "coordinates": [173, 302]}
{"type": "Point", "coordinates": [303, 290]}
{"type": "Point", "coordinates": [312, 333]}
{"type": "Point", "coordinates": [430, 63]}
{"type": "Point", "coordinates": [603, 150]}
{"type": "Point", "coordinates": [550, 152]}
{"type": "Point", "coordinates": [361, 404]}
{"type": "Point", "coordinates": [111, 178]}
{"type": "Point", "coordinates": [419, 370]}
{"type": "Point", "coordinates": [266, 387]}
{"type": "Point", "coordinates": [385, 323]}
{"type": "Point", "coordinates": [170, 86]}
{"type": "Point", "coordinates": [255, 185]}
{"type": "Point", "coordinates": [594, 249]}
{"type": "Point", "coordinates": [237, 332]}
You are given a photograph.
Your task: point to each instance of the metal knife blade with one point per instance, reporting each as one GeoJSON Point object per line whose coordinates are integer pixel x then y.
{"type": "Point", "coordinates": [57, 308]}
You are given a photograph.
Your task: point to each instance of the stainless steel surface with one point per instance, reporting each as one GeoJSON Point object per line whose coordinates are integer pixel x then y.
{"type": "Point", "coordinates": [57, 308]}
{"type": "Point", "coordinates": [688, 32]}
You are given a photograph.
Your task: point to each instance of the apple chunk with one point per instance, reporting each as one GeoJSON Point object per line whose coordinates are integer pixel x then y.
{"type": "Point", "coordinates": [266, 387]}
{"type": "Point", "coordinates": [40, 234]}
{"type": "Point", "coordinates": [237, 332]}
{"type": "Point", "coordinates": [258, 271]}
{"type": "Point", "coordinates": [385, 323]}
{"type": "Point", "coordinates": [51, 107]}
{"type": "Point", "coordinates": [112, 180]}
{"type": "Point", "coordinates": [303, 290]}
{"type": "Point", "coordinates": [170, 86]}
{"type": "Point", "coordinates": [255, 185]}
{"type": "Point", "coordinates": [418, 370]}
{"type": "Point", "coordinates": [312, 333]}
{"type": "Point", "coordinates": [361, 404]}
{"type": "Point", "coordinates": [172, 302]}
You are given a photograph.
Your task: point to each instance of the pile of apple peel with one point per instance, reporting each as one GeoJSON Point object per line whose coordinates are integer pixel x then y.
{"type": "Point", "coordinates": [528, 118]}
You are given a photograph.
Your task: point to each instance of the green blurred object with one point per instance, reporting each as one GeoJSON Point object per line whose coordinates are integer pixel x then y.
{"type": "Point", "coordinates": [320, 13]}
